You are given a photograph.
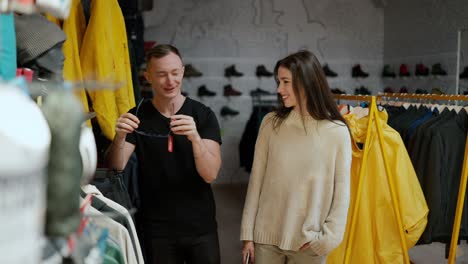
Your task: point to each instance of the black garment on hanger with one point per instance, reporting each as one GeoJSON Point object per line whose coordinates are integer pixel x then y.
{"type": "Point", "coordinates": [444, 163]}
{"type": "Point", "coordinates": [249, 136]}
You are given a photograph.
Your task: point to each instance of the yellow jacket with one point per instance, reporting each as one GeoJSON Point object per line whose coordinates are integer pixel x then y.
{"type": "Point", "coordinates": [104, 57]}
{"type": "Point", "coordinates": [74, 27]}
{"type": "Point", "coordinates": [376, 238]}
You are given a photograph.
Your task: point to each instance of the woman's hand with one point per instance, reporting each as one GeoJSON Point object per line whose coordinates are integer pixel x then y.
{"type": "Point", "coordinates": [305, 246]}
{"type": "Point", "coordinates": [249, 248]}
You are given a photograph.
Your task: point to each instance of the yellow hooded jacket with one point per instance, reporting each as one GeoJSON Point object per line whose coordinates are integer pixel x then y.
{"type": "Point", "coordinates": [74, 27]}
{"type": "Point", "coordinates": [104, 58]}
{"type": "Point", "coordinates": [376, 238]}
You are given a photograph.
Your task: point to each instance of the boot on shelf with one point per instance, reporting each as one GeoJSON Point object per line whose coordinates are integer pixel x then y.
{"type": "Point", "coordinates": [191, 71]}
{"type": "Point", "coordinates": [232, 72]}
{"type": "Point", "coordinates": [358, 72]}
{"type": "Point", "coordinates": [203, 91]}
{"type": "Point", "coordinates": [328, 72]}
{"type": "Point", "coordinates": [262, 71]}
{"type": "Point", "coordinates": [230, 91]}
{"type": "Point", "coordinates": [227, 111]}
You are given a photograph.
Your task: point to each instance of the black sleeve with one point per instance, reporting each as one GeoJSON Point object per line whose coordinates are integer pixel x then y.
{"type": "Point", "coordinates": [208, 126]}
{"type": "Point", "coordinates": [131, 137]}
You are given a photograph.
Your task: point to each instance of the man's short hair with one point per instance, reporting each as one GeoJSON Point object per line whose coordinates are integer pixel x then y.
{"type": "Point", "coordinates": [160, 51]}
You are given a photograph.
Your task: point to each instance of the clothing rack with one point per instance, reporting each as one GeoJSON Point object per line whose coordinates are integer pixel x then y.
{"type": "Point", "coordinates": [463, 181]}
{"type": "Point", "coordinates": [442, 97]}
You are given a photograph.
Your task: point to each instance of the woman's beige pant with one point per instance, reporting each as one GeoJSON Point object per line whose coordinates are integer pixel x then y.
{"type": "Point", "coordinates": [269, 254]}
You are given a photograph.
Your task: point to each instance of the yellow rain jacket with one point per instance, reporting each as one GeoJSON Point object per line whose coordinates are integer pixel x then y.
{"type": "Point", "coordinates": [376, 238]}
{"type": "Point", "coordinates": [74, 27]}
{"type": "Point", "coordinates": [104, 58]}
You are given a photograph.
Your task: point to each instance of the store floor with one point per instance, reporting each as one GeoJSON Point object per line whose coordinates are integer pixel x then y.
{"type": "Point", "coordinates": [230, 201]}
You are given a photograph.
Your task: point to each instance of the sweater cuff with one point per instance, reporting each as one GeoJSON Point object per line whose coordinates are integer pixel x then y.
{"type": "Point", "coordinates": [246, 235]}
{"type": "Point", "coordinates": [319, 247]}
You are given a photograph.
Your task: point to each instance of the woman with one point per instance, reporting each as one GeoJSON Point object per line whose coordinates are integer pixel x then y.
{"type": "Point", "coordinates": [298, 195]}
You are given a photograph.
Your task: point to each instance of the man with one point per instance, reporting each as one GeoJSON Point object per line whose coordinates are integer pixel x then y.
{"type": "Point", "coordinates": [177, 143]}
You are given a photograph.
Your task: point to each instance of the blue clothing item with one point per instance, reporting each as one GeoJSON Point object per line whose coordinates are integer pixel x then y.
{"type": "Point", "coordinates": [7, 47]}
{"type": "Point", "coordinates": [420, 121]}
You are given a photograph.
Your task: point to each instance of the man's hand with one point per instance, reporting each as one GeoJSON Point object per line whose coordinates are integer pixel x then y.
{"type": "Point", "coordinates": [184, 125]}
{"type": "Point", "coordinates": [249, 248]}
{"type": "Point", "coordinates": [126, 124]}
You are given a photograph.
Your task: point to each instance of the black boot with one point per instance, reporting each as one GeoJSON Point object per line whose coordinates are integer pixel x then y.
{"type": "Point", "coordinates": [259, 91]}
{"type": "Point", "coordinates": [203, 91]}
{"type": "Point", "coordinates": [337, 91]}
{"type": "Point", "coordinates": [328, 71]}
{"type": "Point", "coordinates": [464, 74]}
{"type": "Point", "coordinates": [358, 72]}
{"type": "Point", "coordinates": [437, 70]}
{"type": "Point", "coordinates": [232, 72]}
{"type": "Point", "coordinates": [191, 71]}
{"type": "Point", "coordinates": [226, 111]}
{"type": "Point", "coordinates": [262, 72]}
{"type": "Point", "coordinates": [388, 72]}
{"type": "Point", "coordinates": [362, 91]}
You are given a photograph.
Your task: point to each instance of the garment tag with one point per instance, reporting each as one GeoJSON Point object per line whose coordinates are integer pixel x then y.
{"type": "Point", "coordinates": [169, 143]}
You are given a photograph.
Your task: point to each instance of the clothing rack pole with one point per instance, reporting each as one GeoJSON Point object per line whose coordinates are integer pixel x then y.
{"type": "Point", "coordinates": [442, 97]}
{"type": "Point", "coordinates": [459, 210]}
{"type": "Point", "coordinates": [374, 119]}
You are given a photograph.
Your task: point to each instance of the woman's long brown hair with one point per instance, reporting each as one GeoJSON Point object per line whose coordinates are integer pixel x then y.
{"type": "Point", "coordinates": [308, 79]}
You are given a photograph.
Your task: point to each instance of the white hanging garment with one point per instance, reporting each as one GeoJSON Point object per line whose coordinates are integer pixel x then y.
{"type": "Point", "coordinates": [24, 153]}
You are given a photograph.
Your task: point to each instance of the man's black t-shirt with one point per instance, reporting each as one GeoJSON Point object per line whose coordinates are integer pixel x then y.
{"type": "Point", "coordinates": [175, 200]}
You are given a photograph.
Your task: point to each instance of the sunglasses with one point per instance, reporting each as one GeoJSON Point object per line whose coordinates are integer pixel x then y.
{"type": "Point", "coordinates": [156, 135]}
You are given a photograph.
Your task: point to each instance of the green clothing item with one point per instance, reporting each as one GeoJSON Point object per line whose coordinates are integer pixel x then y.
{"type": "Point", "coordinates": [113, 254]}
{"type": "Point", "coordinates": [64, 115]}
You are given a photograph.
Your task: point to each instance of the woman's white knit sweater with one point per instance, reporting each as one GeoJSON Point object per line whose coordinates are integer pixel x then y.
{"type": "Point", "coordinates": [300, 184]}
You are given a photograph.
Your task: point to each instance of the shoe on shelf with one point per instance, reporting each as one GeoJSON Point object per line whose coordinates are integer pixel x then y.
{"type": "Point", "coordinates": [191, 71]}
{"type": "Point", "coordinates": [259, 91]}
{"type": "Point", "coordinates": [421, 70]}
{"type": "Point", "coordinates": [262, 71]}
{"type": "Point", "coordinates": [404, 72]}
{"type": "Point", "coordinates": [358, 72]}
{"type": "Point", "coordinates": [436, 90]}
{"type": "Point", "coordinates": [464, 74]}
{"type": "Point", "coordinates": [203, 91]}
{"type": "Point", "coordinates": [328, 72]}
{"type": "Point", "coordinates": [388, 72]}
{"type": "Point", "coordinates": [226, 111]}
{"type": "Point", "coordinates": [232, 72]}
{"type": "Point", "coordinates": [388, 90]}
{"type": "Point", "coordinates": [403, 89]}
{"type": "Point", "coordinates": [421, 91]}
{"type": "Point", "coordinates": [437, 70]}
{"type": "Point", "coordinates": [230, 91]}
{"type": "Point", "coordinates": [362, 91]}
{"type": "Point", "coordinates": [337, 91]}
